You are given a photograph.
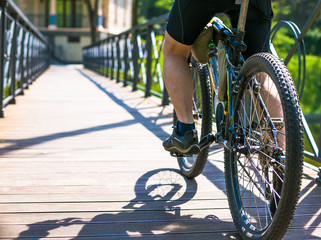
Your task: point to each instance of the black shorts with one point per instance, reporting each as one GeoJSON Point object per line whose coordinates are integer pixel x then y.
{"type": "Point", "coordinates": [188, 18]}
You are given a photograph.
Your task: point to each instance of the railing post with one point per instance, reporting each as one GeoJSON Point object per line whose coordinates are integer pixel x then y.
{"type": "Point", "coordinates": [95, 58]}
{"type": "Point", "coordinates": [3, 5]}
{"type": "Point", "coordinates": [319, 155]}
{"type": "Point", "coordinates": [135, 55]}
{"type": "Point", "coordinates": [112, 58]}
{"type": "Point", "coordinates": [31, 60]}
{"type": "Point", "coordinates": [126, 59]}
{"type": "Point", "coordinates": [13, 60]}
{"type": "Point", "coordinates": [26, 62]}
{"type": "Point", "coordinates": [91, 57]}
{"type": "Point", "coordinates": [22, 47]}
{"type": "Point", "coordinates": [101, 59]}
{"type": "Point", "coordinates": [118, 59]}
{"type": "Point", "coordinates": [149, 61]}
{"type": "Point", "coordinates": [106, 57]}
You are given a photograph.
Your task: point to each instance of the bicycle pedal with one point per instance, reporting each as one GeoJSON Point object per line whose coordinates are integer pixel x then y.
{"type": "Point", "coordinates": [175, 154]}
{"type": "Point", "coordinates": [206, 141]}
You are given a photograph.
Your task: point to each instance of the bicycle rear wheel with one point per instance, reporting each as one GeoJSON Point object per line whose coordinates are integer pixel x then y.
{"type": "Point", "coordinates": [263, 173]}
{"type": "Point", "coordinates": [192, 166]}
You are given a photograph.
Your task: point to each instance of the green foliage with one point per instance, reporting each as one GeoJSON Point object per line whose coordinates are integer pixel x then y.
{"type": "Point", "coordinates": [164, 4]}
{"type": "Point", "coordinates": [299, 11]}
{"type": "Point", "coordinates": [6, 92]}
{"type": "Point", "coordinates": [311, 100]}
{"type": "Point", "coordinates": [149, 9]}
{"type": "Point", "coordinates": [313, 41]}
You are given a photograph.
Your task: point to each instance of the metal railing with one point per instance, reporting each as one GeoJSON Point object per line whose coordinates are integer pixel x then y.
{"type": "Point", "coordinates": [299, 47]}
{"type": "Point", "coordinates": [127, 53]}
{"type": "Point", "coordinates": [132, 57]}
{"type": "Point", "coordinates": [24, 51]}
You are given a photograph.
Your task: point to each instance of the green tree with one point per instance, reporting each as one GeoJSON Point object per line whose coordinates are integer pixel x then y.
{"type": "Point", "coordinates": [144, 10]}
{"type": "Point", "coordinates": [299, 12]}
{"type": "Point", "coordinates": [92, 12]}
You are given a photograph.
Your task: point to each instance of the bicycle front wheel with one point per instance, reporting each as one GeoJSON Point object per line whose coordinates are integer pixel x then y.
{"type": "Point", "coordinates": [192, 166]}
{"type": "Point", "coordinates": [263, 171]}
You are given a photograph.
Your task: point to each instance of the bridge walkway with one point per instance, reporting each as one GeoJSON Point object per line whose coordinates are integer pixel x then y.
{"type": "Point", "coordinates": [81, 158]}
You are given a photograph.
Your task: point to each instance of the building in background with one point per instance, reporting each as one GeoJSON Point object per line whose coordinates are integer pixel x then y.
{"type": "Point", "coordinates": [66, 22]}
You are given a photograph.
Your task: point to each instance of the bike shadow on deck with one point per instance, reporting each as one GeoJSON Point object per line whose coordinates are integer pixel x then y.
{"type": "Point", "coordinates": [155, 211]}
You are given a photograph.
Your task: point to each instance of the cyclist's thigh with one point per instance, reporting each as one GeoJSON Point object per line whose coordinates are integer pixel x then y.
{"type": "Point", "coordinates": [257, 36]}
{"type": "Point", "coordinates": [188, 17]}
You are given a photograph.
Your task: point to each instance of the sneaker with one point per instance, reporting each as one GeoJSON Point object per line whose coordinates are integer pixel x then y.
{"type": "Point", "coordinates": [185, 145]}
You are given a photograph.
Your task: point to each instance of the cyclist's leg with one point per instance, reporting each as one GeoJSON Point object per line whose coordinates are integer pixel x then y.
{"type": "Point", "coordinates": [186, 21]}
{"type": "Point", "coordinates": [177, 77]}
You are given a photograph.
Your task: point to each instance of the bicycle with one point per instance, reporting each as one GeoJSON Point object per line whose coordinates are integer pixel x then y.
{"type": "Point", "coordinates": [262, 148]}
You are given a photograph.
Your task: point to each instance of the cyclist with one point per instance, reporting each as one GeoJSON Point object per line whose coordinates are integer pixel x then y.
{"type": "Point", "coordinates": [186, 21]}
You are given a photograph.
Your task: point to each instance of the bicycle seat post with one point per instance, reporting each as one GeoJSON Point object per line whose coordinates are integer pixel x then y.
{"type": "Point", "coordinates": [239, 32]}
{"type": "Point", "coordinates": [243, 14]}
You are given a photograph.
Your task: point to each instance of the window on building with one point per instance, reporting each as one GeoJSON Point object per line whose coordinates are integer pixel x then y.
{"type": "Point", "coordinates": [69, 13]}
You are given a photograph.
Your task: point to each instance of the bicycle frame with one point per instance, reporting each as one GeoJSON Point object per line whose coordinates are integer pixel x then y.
{"type": "Point", "coordinates": [234, 46]}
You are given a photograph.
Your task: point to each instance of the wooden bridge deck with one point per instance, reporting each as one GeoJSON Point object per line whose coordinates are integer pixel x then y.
{"type": "Point", "coordinates": [81, 158]}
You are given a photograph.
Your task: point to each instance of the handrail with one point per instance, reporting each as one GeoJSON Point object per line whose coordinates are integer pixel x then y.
{"type": "Point", "coordinates": [24, 51]}
{"type": "Point", "coordinates": [299, 46]}
{"type": "Point", "coordinates": [135, 53]}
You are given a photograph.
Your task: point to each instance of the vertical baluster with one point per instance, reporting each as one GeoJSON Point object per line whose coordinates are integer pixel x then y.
{"type": "Point", "coordinates": [130, 46]}
{"type": "Point", "coordinates": [126, 59]}
{"type": "Point", "coordinates": [99, 54]}
{"type": "Point", "coordinates": [135, 57]}
{"type": "Point", "coordinates": [108, 58]}
{"type": "Point", "coordinates": [319, 155]}
{"type": "Point", "coordinates": [101, 58]}
{"type": "Point", "coordinates": [112, 58]}
{"type": "Point", "coordinates": [32, 59]}
{"type": "Point", "coordinates": [13, 62]}
{"type": "Point", "coordinates": [95, 58]}
{"type": "Point", "coordinates": [149, 62]}
{"type": "Point", "coordinates": [28, 62]}
{"type": "Point", "coordinates": [118, 58]}
{"type": "Point", "coordinates": [24, 60]}
{"type": "Point", "coordinates": [20, 60]}
{"type": "Point", "coordinates": [3, 6]}
{"type": "Point", "coordinates": [104, 57]}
